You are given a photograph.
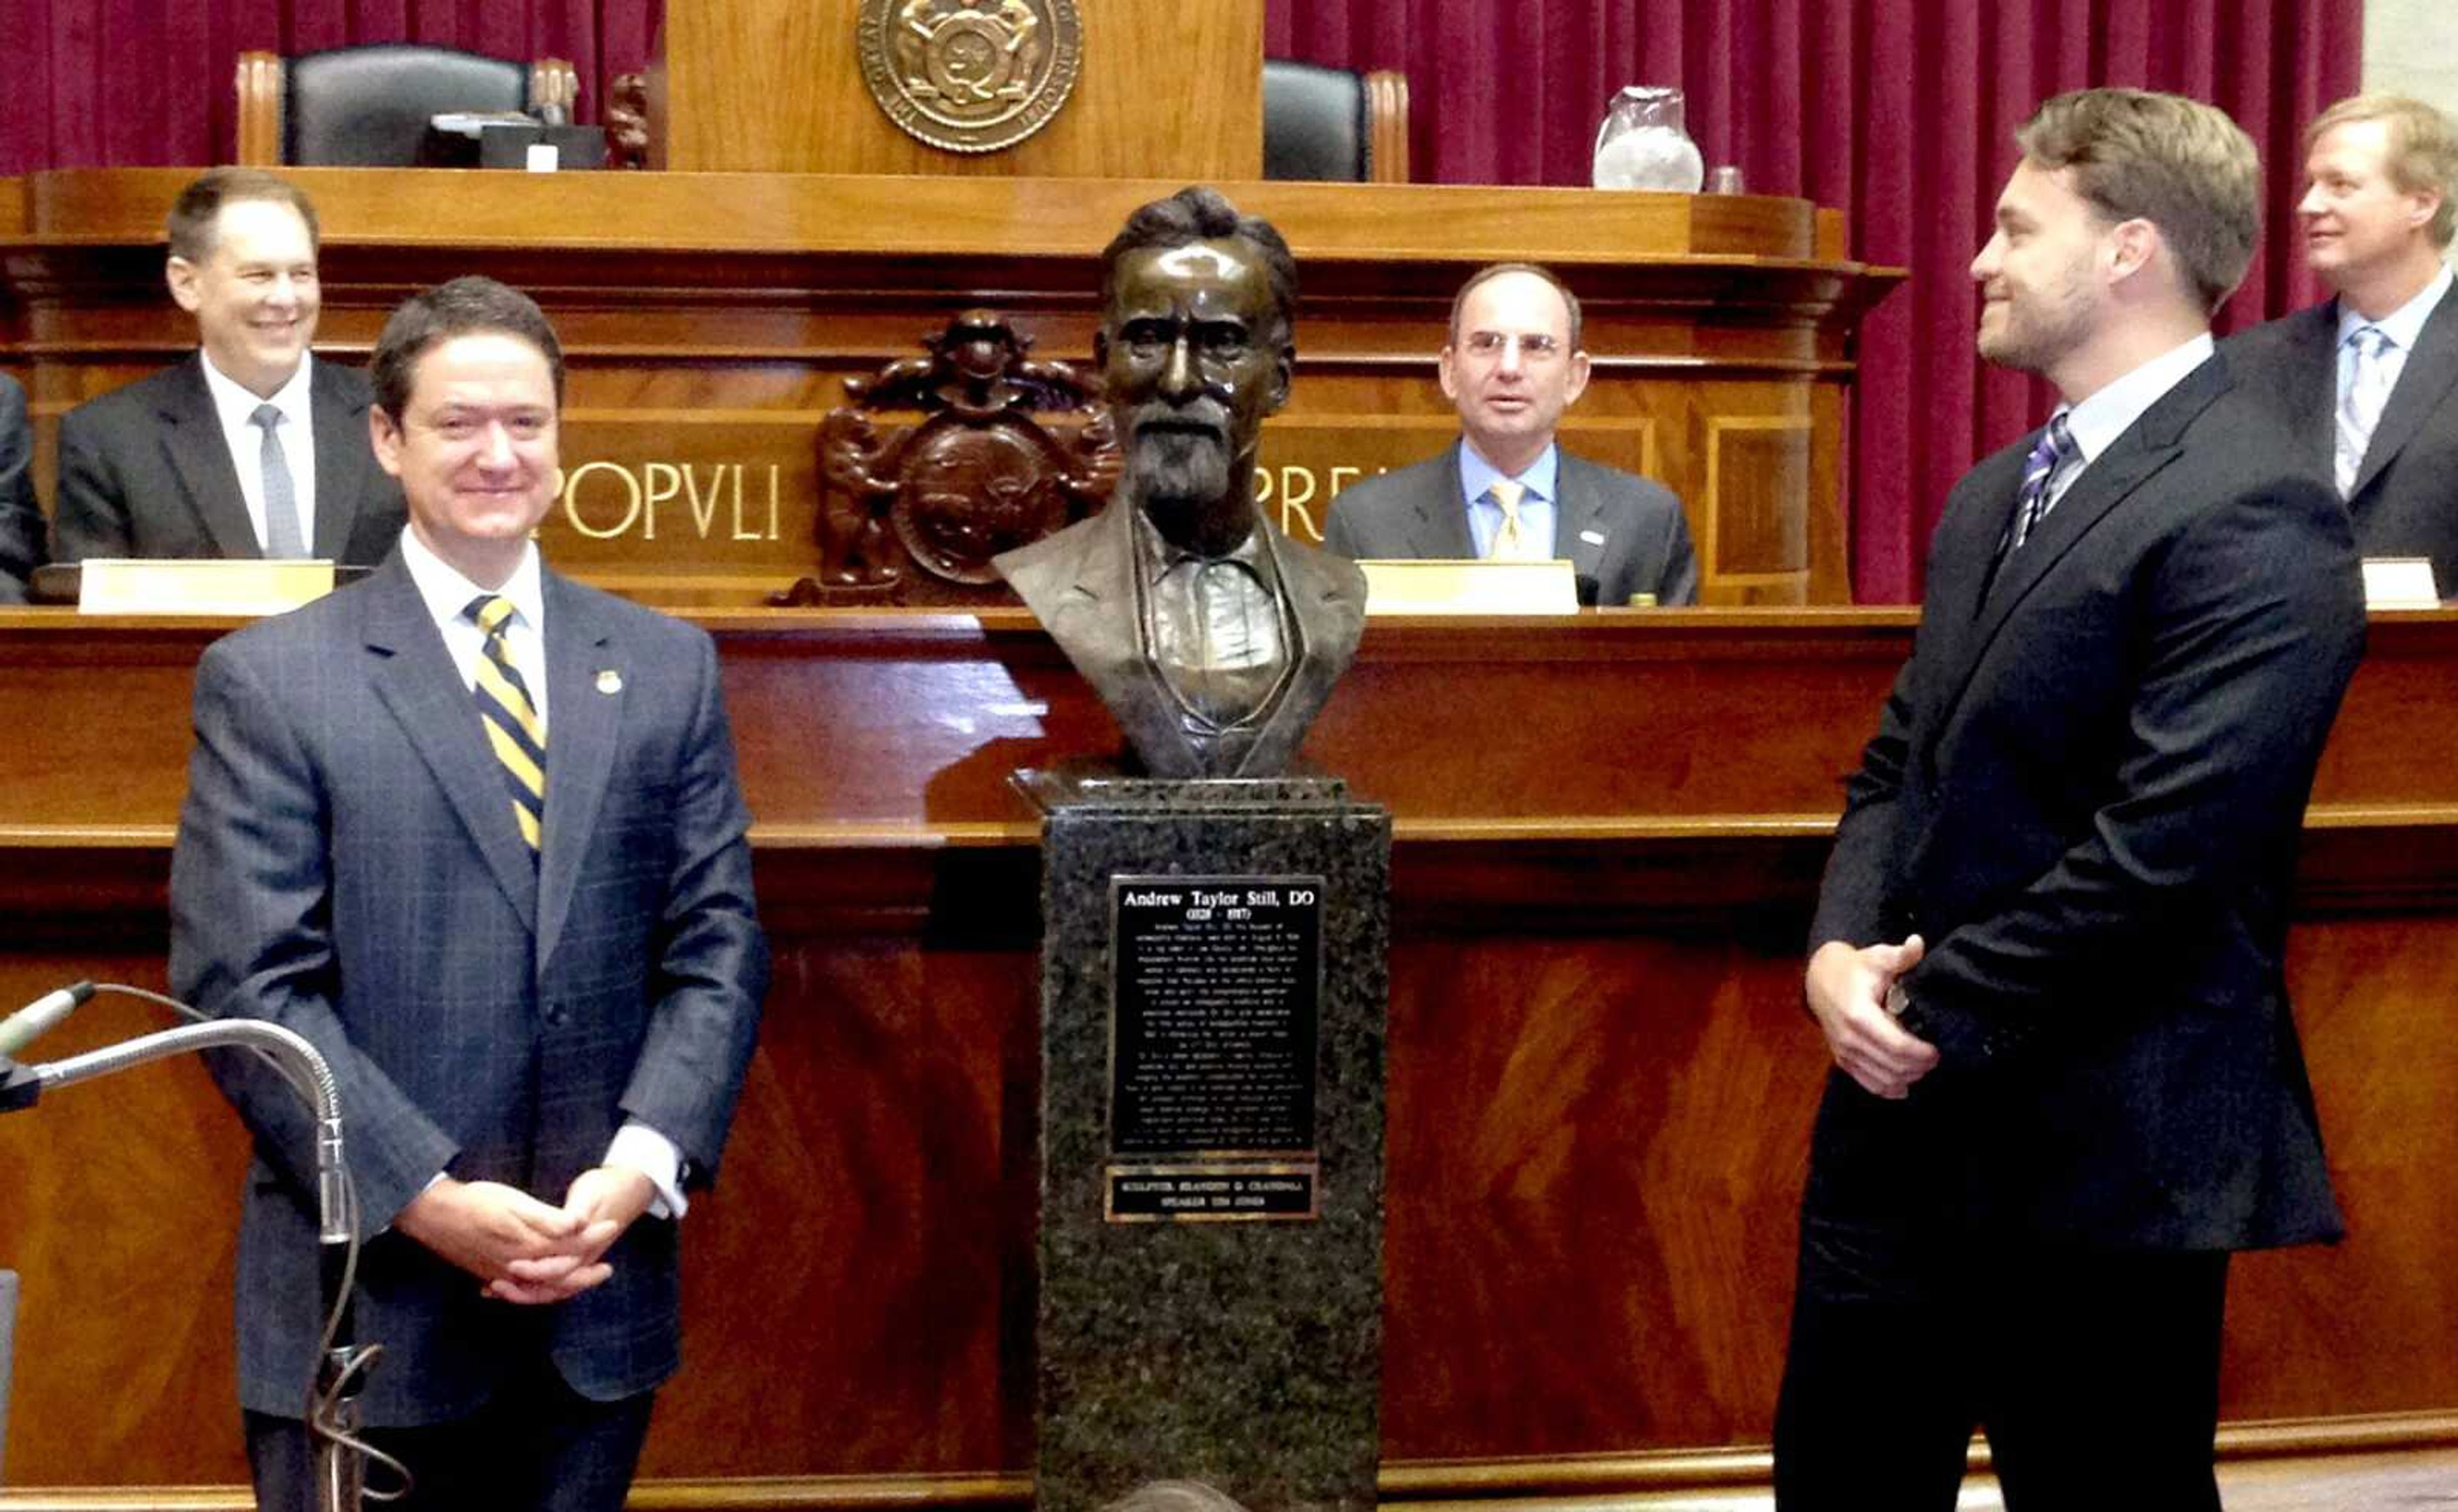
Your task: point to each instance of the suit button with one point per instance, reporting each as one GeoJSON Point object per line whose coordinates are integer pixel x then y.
{"type": "Point", "coordinates": [556, 1016]}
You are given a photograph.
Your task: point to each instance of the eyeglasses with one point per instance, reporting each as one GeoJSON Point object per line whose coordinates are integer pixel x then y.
{"type": "Point", "coordinates": [1533, 348]}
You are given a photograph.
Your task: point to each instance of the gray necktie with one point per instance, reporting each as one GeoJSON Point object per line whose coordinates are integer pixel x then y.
{"type": "Point", "coordinates": [281, 537]}
{"type": "Point", "coordinates": [2360, 409]}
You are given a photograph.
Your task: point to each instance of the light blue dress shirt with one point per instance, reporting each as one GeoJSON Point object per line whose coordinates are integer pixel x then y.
{"type": "Point", "coordinates": [2404, 326]}
{"type": "Point", "coordinates": [2111, 411]}
{"type": "Point", "coordinates": [1537, 507]}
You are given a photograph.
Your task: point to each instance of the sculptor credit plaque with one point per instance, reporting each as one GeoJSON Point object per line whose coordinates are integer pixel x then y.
{"type": "Point", "coordinates": [1215, 1000]}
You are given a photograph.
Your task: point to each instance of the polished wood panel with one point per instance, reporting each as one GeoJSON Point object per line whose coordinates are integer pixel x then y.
{"type": "Point", "coordinates": [710, 320]}
{"type": "Point", "coordinates": [1753, 542]}
{"type": "Point", "coordinates": [262, 94]}
{"type": "Point", "coordinates": [1609, 832]}
{"type": "Point", "coordinates": [776, 85]}
{"type": "Point", "coordinates": [1386, 125]}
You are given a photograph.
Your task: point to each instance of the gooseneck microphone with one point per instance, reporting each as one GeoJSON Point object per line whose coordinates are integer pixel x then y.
{"type": "Point", "coordinates": [333, 1420]}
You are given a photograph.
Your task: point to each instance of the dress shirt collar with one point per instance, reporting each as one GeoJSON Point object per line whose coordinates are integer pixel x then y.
{"type": "Point", "coordinates": [446, 593]}
{"type": "Point", "coordinates": [2404, 326]}
{"type": "Point", "coordinates": [2109, 413]}
{"type": "Point", "coordinates": [235, 406]}
{"type": "Point", "coordinates": [1161, 554]}
{"type": "Point", "coordinates": [1477, 474]}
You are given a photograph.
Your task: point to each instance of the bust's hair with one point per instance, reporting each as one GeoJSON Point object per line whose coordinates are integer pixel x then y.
{"type": "Point", "coordinates": [1200, 213]}
{"type": "Point", "coordinates": [196, 213]}
{"type": "Point", "coordinates": [2177, 164]}
{"type": "Point", "coordinates": [466, 306]}
{"type": "Point", "coordinates": [1174, 1496]}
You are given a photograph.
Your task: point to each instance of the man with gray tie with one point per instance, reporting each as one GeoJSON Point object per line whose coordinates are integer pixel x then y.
{"type": "Point", "coordinates": [1512, 365]}
{"type": "Point", "coordinates": [251, 448]}
{"type": "Point", "coordinates": [2368, 382]}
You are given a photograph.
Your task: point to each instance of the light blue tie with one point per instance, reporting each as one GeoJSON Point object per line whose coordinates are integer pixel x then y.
{"type": "Point", "coordinates": [2359, 407]}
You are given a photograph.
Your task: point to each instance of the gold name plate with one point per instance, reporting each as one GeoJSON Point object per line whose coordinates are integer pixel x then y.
{"type": "Point", "coordinates": [134, 586]}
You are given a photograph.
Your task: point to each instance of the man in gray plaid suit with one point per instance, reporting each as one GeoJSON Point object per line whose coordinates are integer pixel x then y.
{"type": "Point", "coordinates": [475, 830]}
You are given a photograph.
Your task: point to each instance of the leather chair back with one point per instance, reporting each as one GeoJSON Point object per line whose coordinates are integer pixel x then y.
{"type": "Point", "coordinates": [367, 107]}
{"type": "Point", "coordinates": [1314, 123]}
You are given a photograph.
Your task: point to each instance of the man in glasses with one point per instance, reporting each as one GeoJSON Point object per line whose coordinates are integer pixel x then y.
{"type": "Point", "coordinates": [1508, 491]}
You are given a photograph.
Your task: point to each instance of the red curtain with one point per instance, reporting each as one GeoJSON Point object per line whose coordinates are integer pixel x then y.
{"type": "Point", "coordinates": [1899, 112]}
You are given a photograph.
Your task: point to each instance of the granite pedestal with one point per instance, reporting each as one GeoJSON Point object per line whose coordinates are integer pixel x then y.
{"type": "Point", "coordinates": [1211, 1283]}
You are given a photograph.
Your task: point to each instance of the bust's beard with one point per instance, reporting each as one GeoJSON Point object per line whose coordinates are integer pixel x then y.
{"type": "Point", "coordinates": [1180, 467]}
{"type": "Point", "coordinates": [1183, 481]}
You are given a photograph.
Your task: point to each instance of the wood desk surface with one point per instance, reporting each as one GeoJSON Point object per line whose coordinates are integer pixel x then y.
{"type": "Point", "coordinates": [1609, 831]}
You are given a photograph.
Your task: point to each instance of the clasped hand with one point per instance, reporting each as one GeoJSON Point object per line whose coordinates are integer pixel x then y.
{"type": "Point", "coordinates": [1847, 987]}
{"type": "Point", "coordinates": [524, 1250]}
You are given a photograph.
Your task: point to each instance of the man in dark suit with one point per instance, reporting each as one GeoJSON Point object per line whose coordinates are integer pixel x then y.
{"type": "Point", "coordinates": [2368, 380]}
{"type": "Point", "coordinates": [21, 518]}
{"type": "Point", "coordinates": [1212, 638]}
{"type": "Point", "coordinates": [1506, 489]}
{"type": "Point", "coordinates": [474, 830]}
{"type": "Point", "coordinates": [2046, 955]}
{"type": "Point", "coordinates": [251, 448]}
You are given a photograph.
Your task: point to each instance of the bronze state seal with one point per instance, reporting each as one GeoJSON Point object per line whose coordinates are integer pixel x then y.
{"type": "Point", "coordinates": [970, 75]}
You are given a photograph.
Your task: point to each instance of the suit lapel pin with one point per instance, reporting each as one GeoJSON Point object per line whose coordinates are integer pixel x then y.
{"type": "Point", "coordinates": [610, 681]}
{"type": "Point", "coordinates": [1593, 537]}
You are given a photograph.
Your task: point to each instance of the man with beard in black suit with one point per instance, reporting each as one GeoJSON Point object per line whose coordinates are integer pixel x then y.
{"type": "Point", "coordinates": [2047, 952]}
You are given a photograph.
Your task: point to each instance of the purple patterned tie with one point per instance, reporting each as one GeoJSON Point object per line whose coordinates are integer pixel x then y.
{"type": "Point", "coordinates": [2039, 469]}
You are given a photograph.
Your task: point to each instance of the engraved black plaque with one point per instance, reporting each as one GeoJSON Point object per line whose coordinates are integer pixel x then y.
{"type": "Point", "coordinates": [1215, 1014]}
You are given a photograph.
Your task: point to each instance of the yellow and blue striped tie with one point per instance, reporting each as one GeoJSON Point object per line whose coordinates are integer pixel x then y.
{"type": "Point", "coordinates": [510, 718]}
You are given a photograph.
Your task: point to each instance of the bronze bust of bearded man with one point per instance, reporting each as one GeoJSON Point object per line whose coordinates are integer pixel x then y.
{"type": "Point", "coordinates": [1213, 637]}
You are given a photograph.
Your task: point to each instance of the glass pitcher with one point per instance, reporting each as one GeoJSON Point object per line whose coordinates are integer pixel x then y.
{"type": "Point", "coordinates": [1642, 145]}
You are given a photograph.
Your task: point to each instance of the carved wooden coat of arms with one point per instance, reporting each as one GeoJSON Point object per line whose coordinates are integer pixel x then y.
{"type": "Point", "coordinates": [936, 463]}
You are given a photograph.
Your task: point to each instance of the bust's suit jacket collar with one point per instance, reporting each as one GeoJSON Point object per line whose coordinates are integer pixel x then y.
{"type": "Point", "coordinates": [1977, 606]}
{"type": "Point", "coordinates": [587, 670]}
{"type": "Point", "coordinates": [1101, 591]}
{"type": "Point", "coordinates": [346, 463]}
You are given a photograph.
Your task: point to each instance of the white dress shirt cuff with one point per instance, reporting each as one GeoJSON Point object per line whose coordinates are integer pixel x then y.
{"type": "Point", "coordinates": [655, 1156]}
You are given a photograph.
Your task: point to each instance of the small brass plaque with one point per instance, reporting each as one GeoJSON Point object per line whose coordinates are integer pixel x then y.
{"type": "Point", "coordinates": [970, 75]}
{"type": "Point", "coordinates": [201, 586]}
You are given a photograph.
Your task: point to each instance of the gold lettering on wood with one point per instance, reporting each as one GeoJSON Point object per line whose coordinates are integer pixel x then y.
{"type": "Point", "coordinates": [713, 494]}
{"type": "Point", "coordinates": [571, 499]}
{"type": "Point", "coordinates": [1296, 485]}
{"type": "Point", "coordinates": [705, 514]}
{"type": "Point", "coordinates": [664, 482]}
